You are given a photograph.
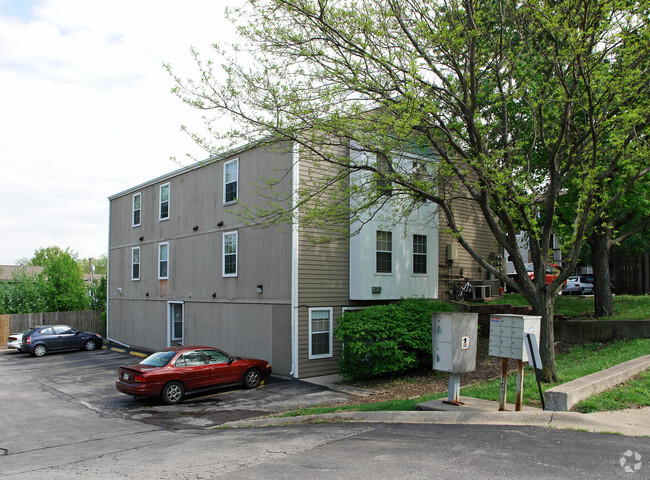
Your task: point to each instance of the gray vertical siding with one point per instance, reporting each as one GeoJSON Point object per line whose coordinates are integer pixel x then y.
{"type": "Point", "coordinates": [221, 311]}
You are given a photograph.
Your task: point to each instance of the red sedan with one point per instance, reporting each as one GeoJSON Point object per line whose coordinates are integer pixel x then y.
{"type": "Point", "coordinates": [173, 372]}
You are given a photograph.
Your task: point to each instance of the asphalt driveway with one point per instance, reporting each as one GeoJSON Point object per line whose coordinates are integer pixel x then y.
{"type": "Point", "coordinates": [88, 379]}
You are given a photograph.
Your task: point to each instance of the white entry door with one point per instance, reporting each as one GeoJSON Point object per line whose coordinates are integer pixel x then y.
{"type": "Point", "coordinates": [175, 324]}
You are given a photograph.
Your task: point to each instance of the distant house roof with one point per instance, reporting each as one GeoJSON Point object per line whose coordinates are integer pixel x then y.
{"type": "Point", "coordinates": [7, 271]}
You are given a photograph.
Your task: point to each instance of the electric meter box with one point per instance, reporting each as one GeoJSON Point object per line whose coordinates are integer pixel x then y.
{"type": "Point", "coordinates": [507, 335]}
{"type": "Point", "coordinates": [454, 336]}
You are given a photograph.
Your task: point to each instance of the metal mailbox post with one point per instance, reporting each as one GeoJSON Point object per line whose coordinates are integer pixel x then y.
{"type": "Point", "coordinates": [454, 336]}
{"type": "Point", "coordinates": [507, 340]}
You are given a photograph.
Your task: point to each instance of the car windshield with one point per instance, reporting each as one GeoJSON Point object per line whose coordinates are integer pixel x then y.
{"type": "Point", "coordinates": [158, 359]}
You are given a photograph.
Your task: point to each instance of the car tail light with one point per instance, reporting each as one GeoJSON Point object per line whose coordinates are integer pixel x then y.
{"type": "Point", "coordinates": [29, 340]}
{"type": "Point", "coordinates": [139, 379]}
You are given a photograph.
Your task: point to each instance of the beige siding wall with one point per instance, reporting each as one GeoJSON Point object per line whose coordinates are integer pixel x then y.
{"type": "Point", "coordinates": [222, 311]}
{"type": "Point", "coordinates": [323, 282]}
{"type": "Point", "coordinates": [477, 234]}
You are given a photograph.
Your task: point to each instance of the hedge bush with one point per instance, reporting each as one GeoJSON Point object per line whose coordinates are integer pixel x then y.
{"type": "Point", "coordinates": [387, 339]}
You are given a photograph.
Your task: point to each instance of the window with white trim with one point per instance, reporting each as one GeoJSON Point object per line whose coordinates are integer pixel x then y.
{"type": "Point", "coordinates": [230, 248]}
{"type": "Point", "coordinates": [384, 252]}
{"type": "Point", "coordinates": [135, 263]}
{"type": "Point", "coordinates": [230, 181]}
{"type": "Point", "coordinates": [320, 332]}
{"type": "Point", "coordinates": [419, 254]}
{"type": "Point", "coordinates": [164, 201]}
{"type": "Point", "coordinates": [137, 209]}
{"type": "Point", "coordinates": [163, 260]}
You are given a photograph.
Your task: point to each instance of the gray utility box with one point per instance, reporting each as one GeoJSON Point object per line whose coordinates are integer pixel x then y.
{"type": "Point", "coordinates": [507, 335]}
{"type": "Point", "coordinates": [454, 341]}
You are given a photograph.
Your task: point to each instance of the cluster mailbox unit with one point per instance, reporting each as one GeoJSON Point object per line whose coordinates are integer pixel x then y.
{"type": "Point", "coordinates": [509, 339]}
{"type": "Point", "coordinates": [454, 338]}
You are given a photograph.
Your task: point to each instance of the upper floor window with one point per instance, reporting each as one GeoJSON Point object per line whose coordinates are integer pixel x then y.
{"type": "Point", "coordinates": [384, 167]}
{"type": "Point", "coordinates": [164, 201]}
{"type": "Point", "coordinates": [230, 241]}
{"type": "Point", "coordinates": [137, 209]}
{"type": "Point", "coordinates": [419, 254]}
{"type": "Point", "coordinates": [135, 263]}
{"type": "Point", "coordinates": [384, 252]}
{"type": "Point", "coordinates": [230, 180]}
{"type": "Point", "coordinates": [163, 260]}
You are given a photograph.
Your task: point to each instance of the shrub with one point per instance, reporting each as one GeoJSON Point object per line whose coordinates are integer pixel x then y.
{"type": "Point", "coordinates": [387, 339]}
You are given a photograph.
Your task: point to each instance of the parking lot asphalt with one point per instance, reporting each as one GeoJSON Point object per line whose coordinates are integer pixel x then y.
{"type": "Point", "coordinates": [88, 378]}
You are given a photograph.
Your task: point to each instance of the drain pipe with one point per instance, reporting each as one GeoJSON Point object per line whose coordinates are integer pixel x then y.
{"type": "Point", "coordinates": [295, 178]}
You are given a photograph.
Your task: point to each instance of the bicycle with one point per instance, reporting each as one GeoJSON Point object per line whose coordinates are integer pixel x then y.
{"type": "Point", "coordinates": [462, 291]}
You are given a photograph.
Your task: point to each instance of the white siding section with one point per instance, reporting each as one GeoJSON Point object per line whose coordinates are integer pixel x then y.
{"type": "Point", "coordinates": [402, 282]}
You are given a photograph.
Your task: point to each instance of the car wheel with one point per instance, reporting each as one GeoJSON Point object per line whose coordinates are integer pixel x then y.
{"type": "Point", "coordinates": [173, 393]}
{"type": "Point", "coordinates": [90, 345]}
{"type": "Point", "coordinates": [252, 378]}
{"type": "Point", "coordinates": [40, 350]}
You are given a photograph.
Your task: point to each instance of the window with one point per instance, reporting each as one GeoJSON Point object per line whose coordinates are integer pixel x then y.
{"type": "Point", "coordinates": [163, 260]}
{"type": "Point", "coordinates": [419, 254]}
{"type": "Point", "coordinates": [230, 180]}
{"type": "Point", "coordinates": [230, 254]}
{"type": "Point", "coordinates": [164, 201]}
{"type": "Point", "coordinates": [384, 167]}
{"type": "Point", "coordinates": [176, 324]}
{"type": "Point", "coordinates": [384, 252]}
{"type": "Point", "coordinates": [137, 208]}
{"type": "Point", "coordinates": [320, 333]}
{"type": "Point", "coordinates": [216, 357]}
{"type": "Point", "coordinates": [135, 263]}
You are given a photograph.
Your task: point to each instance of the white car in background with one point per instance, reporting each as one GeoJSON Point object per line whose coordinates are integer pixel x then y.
{"type": "Point", "coordinates": [14, 341]}
{"type": "Point", "coordinates": [579, 285]}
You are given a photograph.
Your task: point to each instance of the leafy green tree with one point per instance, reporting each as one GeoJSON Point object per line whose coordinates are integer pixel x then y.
{"type": "Point", "coordinates": [98, 292]}
{"type": "Point", "coordinates": [23, 294]}
{"type": "Point", "coordinates": [503, 104]}
{"type": "Point", "coordinates": [64, 288]}
{"type": "Point", "coordinates": [43, 256]}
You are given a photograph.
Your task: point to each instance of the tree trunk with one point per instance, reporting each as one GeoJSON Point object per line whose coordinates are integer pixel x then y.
{"type": "Point", "coordinates": [600, 241]}
{"type": "Point", "coordinates": [544, 306]}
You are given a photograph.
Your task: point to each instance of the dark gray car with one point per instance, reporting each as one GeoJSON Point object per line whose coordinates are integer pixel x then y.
{"type": "Point", "coordinates": [40, 340]}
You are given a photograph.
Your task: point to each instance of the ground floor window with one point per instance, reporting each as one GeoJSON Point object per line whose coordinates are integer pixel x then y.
{"type": "Point", "coordinates": [320, 332]}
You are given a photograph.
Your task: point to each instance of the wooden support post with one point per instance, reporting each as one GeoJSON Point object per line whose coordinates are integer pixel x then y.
{"type": "Point", "coordinates": [504, 384]}
{"type": "Point", "coordinates": [520, 386]}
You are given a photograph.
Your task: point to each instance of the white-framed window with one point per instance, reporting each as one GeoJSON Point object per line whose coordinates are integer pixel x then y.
{"type": "Point", "coordinates": [384, 262]}
{"type": "Point", "coordinates": [231, 181]}
{"type": "Point", "coordinates": [384, 185]}
{"type": "Point", "coordinates": [320, 332]}
{"type": "Point", "coordinates": [135, 263]}
{"type": "Point", "coordinates": [164, 201]}
{"type": "Point", "coordinates": [419, 254]}
{"type": "Point", "coordinates": [230, 250]}
{"type": "Point", "coordinates": [137, 209]}
{"type": "Point", "coordinates": [163, 260]}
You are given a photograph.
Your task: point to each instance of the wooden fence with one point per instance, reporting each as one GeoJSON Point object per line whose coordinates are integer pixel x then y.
{"type": "Point", "coordinates": [632, 274]}
{"type": "Point", "coordinates": [86, 320]}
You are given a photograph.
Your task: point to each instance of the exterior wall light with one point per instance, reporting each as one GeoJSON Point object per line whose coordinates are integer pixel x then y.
{"type": "Point", "coordinates": [260, 289]}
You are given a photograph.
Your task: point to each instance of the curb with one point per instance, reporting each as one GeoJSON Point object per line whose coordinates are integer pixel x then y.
{"type": "Point", "coordinates": [562, 397]}
{"type": "Point", "coordinates": [562, 420]}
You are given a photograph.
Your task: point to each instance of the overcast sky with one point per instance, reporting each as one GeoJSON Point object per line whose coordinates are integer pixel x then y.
{"type": "Point", "coordinates": [86, 110]}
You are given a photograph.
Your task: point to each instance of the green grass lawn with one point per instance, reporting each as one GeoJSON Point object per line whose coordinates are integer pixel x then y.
{"type": "Point", "coordinates": [627, 307]}
{"type": "Point", "coordinates": [632, 394]}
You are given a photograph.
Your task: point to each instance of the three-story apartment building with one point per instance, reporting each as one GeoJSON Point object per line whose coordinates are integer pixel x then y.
{"type": "Point", "coordinates": [185, 267]}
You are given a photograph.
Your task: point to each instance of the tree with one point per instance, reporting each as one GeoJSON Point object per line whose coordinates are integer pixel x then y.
{"type": "Point", "coordinates": [64, 289]}
{"type": "Point", "coordinates": [631, 217]}
{"type": "Point", "coordinates": [506, 104]}
{"type": "Point", "coordinates": [43, 256]}
{"type": "Point", "coordinates": [23, 294]}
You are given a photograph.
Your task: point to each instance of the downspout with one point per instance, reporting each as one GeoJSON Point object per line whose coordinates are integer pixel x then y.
{"type": "Point", "coordinates": [295, 178]}
{"type": "Point", "coordinates": [108, 280]}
